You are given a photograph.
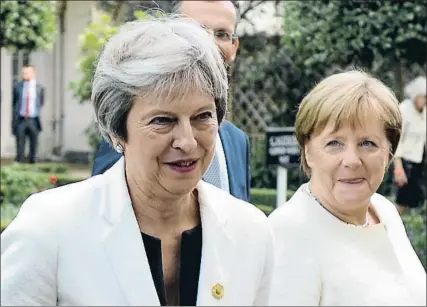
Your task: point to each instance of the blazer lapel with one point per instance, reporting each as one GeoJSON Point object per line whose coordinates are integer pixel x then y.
{"type": "Point", "coordinates": [123, 242]}
{"type": "Point", "coordinates": [218, 252]}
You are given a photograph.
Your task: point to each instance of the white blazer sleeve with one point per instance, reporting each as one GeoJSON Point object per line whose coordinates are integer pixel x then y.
{"type": "Point", "coordinates": [296, 276]}
{"type": "Point", "coordinates": [28, 258]}
{"type": "Point", "coordinates": [264, 291]}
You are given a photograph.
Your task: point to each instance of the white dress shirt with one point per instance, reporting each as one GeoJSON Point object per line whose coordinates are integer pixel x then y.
{"type": "Point", "coordinates": [29, 88]}
{"type": "Point", "coordinates": [413, 140]}
{"type": "Point", "coordinates": [217, 173]}
{"type": "Point", "coordinates": [322, 261]}
{"type": "Point", "coordinates": [219, 150]}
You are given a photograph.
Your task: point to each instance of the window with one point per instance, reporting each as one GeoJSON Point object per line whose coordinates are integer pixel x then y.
{"type": "Point", "coordinates": [18, 60]}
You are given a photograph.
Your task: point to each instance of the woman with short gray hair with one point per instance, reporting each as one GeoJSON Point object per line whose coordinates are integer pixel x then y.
{"type": "Point", "coordinates": [148, 231]}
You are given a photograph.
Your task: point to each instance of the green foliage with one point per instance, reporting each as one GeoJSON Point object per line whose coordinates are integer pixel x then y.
{"type": "Point", "coordinates": [18, 185]}
{"type": "Point", "coordinates": [18, 182]}
{"type": "Point", "coordinates": [91, 43]}
{"type": "Point", "coordinates": [29, 26]}
{"type": "Point", "coordinates": [263, 197]}
{"type": "Point", "coordinates": [264, 71]}
{"type": "Point", "coordinates": [415, 224]}
{"type": "Point", "coordinates": [8, 213]}
{"type": "Point", "coordinates": [262, 176]}
{"type": "Point", "coordinates": [328, 33]}
{"type": "Point", "coordinates": [266, 209]}
{"type": "Point", "coordinates": [266, 197]}
{"type": "Point", "coordinates": [96, 35]}
{"type": "Point", "coordinates": [94, 138]}
{"type": "Point", "coordinates": [53, 168]}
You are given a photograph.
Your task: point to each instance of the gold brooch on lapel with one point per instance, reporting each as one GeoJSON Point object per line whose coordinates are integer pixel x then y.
{"type": "Point", "coordinates": [218, 291]}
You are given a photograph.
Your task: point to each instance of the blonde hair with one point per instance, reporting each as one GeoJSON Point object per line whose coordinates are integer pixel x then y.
{"type": "Point", "coordinates": [347, 97]}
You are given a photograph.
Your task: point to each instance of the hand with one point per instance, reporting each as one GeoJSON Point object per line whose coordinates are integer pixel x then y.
{"type": "Point", "coordinates": [400, 177]}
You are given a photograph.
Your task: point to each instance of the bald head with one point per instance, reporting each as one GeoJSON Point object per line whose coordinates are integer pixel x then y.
{"type": "Point", "coordinates": [220, 17]}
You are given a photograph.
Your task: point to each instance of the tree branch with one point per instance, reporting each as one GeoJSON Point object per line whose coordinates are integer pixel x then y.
{"type": "Point", "coordinates": [252, 5]}
{"type": "Point", "coordinates": [117, 8]}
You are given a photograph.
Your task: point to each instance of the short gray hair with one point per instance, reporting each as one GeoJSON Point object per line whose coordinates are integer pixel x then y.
{"type": "Point", "coordinates": [159, 58]}
{"type": "Point", "coordinates": [416, 87]}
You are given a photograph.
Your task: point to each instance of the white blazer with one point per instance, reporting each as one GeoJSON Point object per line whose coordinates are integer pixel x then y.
{"type": "Point", "coordinates": [81, 245]}
{"type": "Point", "coordinates": [322, 261]}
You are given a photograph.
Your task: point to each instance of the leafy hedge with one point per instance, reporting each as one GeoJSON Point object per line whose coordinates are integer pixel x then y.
{"type": "Point", "coordinates": [266, 197]}
{"type": "Point", "coordinates": [19, 181]}
{"type": "Point", "coordinates": [415, 224]}
{"type": "Point", "coordinates": [17, 185]}
{"type": "Point", "coordinates": [54, 168]}
{"type": "Point", "coordinates": [28, 25]}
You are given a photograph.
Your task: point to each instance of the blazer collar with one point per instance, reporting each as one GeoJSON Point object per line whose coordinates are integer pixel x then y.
{"type": "Point", "coordinates": [117, 197]}
{"type": "Point", "coordinates": [123, 241]}
{"type": "Point", "coordinates": [125, 248]}
{"type": "Point", "coordinates": [378, 203]}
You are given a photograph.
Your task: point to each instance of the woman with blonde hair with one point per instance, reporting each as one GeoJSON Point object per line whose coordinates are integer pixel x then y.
{"type": "Point", "coordinates": [338, 242]}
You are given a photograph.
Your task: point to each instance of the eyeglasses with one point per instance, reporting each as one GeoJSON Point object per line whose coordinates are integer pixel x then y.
{"type": "Point", "coordinates": [225, 36]}
{"type": "Point", "coordinates": [222, 35]}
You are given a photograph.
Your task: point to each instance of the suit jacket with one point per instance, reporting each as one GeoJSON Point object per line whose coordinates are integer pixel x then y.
{"type": "Point", "coordinates": [17, 103]}
{"type": "Point", "coordinates": [80, 244]}
{"type": "Point", "coordinates": [237, 155]}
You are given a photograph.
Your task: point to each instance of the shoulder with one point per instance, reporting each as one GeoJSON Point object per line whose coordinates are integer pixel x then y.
{"type": "Point", "coordinates": [233, 138]}
{"type": "Point", "coordinates": [386, 210]}
{"type": "Point", "coordinates": [296, 221]}
{"type": "Point", "coordinates": [249, 227]}
{"type": "Point", "coordinates": [232, 130]}
{"type": "Point", "coordinates": [240, 211]}
{"type": "Point", "coordinates": [239, 216]}
{"type": "Point", "coordinates": [52, 209]}
{"type": "Point", "coordinates": [237, 210]}
{"type": "Point", "coordinates": [294, 214]}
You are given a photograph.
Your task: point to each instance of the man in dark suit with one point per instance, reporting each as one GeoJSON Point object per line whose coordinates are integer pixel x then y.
{"type": "Point", "coordinates": [27, 100]}
{"type": "Point", "coordinates": [230, 168]}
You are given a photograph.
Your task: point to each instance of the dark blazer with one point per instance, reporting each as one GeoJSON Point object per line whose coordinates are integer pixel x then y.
{"type": "Point", "coordinates": [17, 103]}
{"type": "Point", "coordinates": [237, 154]}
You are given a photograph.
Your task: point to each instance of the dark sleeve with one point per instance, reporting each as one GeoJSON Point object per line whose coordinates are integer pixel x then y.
{"type": "Point", "coordinates": [41, 95]}
{"type": "Point", "coordinates": [14, 97]}
{"type": "Point", "coordinates": [14, 102]}
{"type": "Point", "coordinates": [105, 158]}
{"type": "Point", "coordinates": [248, 169]}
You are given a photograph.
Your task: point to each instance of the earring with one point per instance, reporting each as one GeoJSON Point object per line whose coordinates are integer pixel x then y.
{"type": "Point", "coordinates": [119, 148]}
